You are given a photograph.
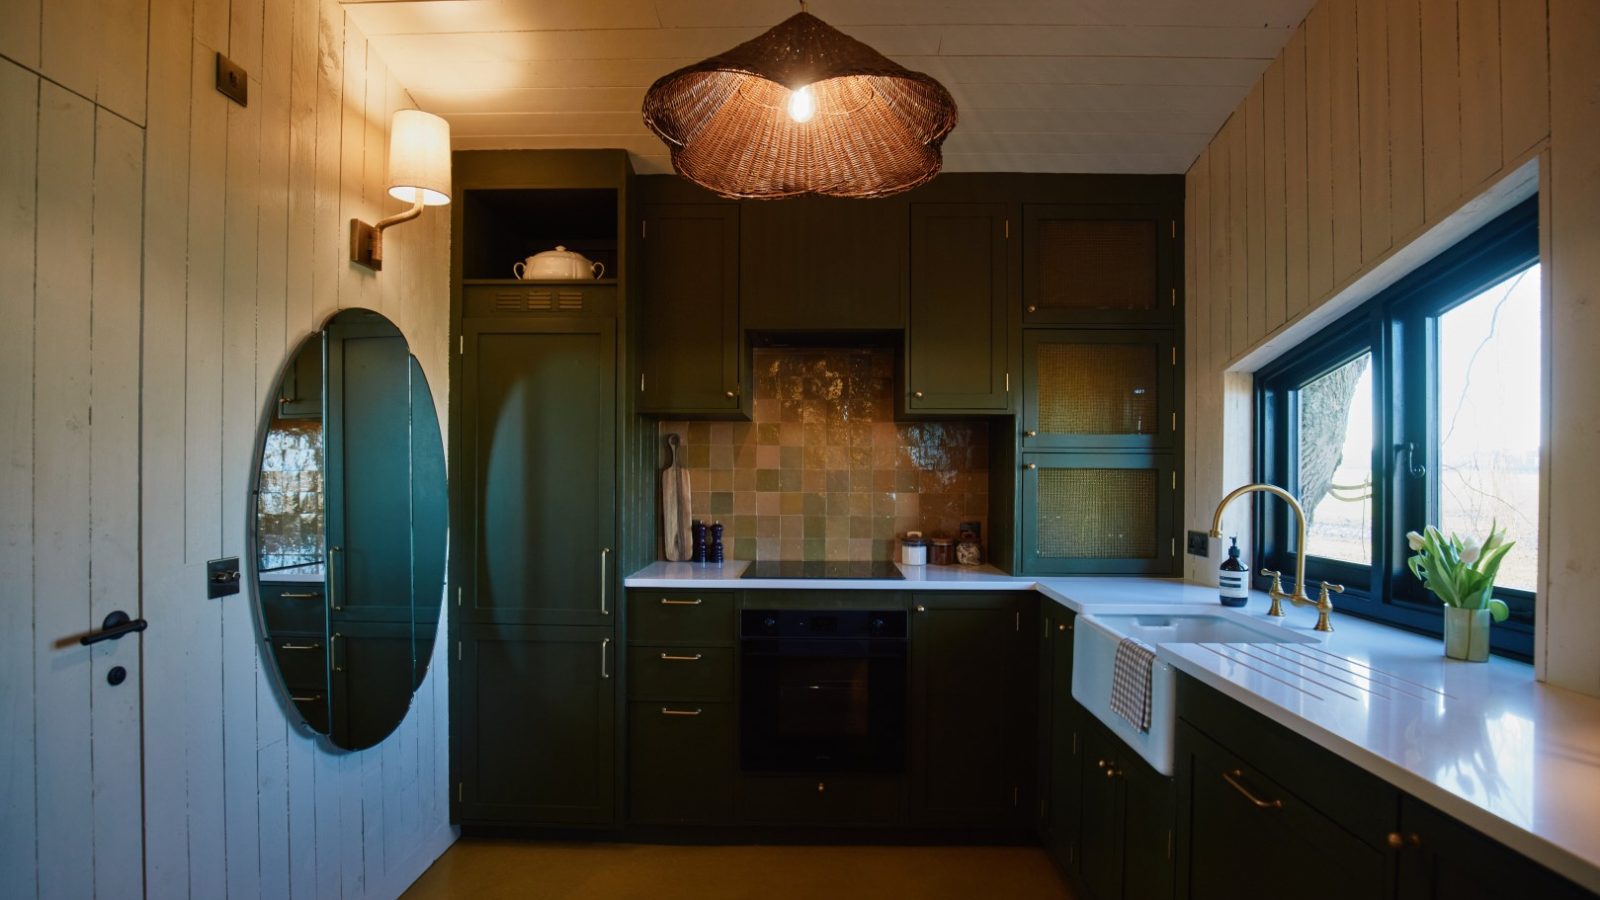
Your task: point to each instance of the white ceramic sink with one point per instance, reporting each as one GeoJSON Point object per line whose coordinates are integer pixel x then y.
{"type": "Point", "coordinates": [1094, 647]}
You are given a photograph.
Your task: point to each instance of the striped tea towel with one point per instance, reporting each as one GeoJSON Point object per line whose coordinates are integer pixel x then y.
{"type": "Point", "coordinates": [1130, 682]}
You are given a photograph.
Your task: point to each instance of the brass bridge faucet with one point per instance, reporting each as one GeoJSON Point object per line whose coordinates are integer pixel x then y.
{"type": "Point", "coordinates": [1324, 603]}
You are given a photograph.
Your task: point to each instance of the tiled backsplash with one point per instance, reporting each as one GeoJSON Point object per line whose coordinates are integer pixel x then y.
{"type": "Point", "coordinates": [824, 471]}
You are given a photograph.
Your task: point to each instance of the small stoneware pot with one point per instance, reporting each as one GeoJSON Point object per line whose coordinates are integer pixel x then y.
{"type": "Point", "coordinates": [1466, 634]}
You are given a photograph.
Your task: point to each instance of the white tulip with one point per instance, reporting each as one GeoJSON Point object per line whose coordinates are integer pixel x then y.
{"type": "Point", "coordinates": [1470, 551]}
{"type": "Point", "coordinates": [1414, 540]}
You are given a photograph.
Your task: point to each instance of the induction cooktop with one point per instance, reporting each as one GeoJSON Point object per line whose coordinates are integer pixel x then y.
{"type": "Point", "coordinates": [784, 568]}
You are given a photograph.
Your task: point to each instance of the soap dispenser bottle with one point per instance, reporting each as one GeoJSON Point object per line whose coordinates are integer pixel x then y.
{"type": "Point", "coordinates": [1234, 578]}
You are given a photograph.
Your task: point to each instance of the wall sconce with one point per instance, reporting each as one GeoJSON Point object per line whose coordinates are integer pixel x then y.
{"type": "Point", "coordinates": [419, 173]}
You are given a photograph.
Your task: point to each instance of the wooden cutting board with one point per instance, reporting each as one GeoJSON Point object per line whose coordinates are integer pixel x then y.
{"type": "Point", "coordinates": [675, 513]}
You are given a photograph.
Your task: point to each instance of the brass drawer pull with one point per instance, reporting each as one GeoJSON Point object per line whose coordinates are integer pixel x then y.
{"type": "Point", "coordinates": [669, 602]}
{"type": "Point", "coordinates": [669, 656]}
{"type": "Point", "coordinates": [299, 646]}
{"type": "Point", "coordinates": [669, 711]}
{"type": "Point", "coordinates": [311, 699]}
{"type": "Point", "coordinates": [1233, 779]}
{"type": "Point", "coordinates": [292, 595]}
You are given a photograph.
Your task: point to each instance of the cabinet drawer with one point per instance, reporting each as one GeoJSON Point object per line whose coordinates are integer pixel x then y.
{"type": "Point", "coordinates": [821, 800]}
{"type": "Point", "coordinates": [681, 762]}
{"type": "Point", "coordinates": [302, 659]}
{"type": "Point", "coordinates": [313, 705]}
{"type": "Point", "coordinates": [680, 673]}
{"type": "Point", "coordinates": [678, 617]}
{"type": "Point", "coordinates": [294, 605]}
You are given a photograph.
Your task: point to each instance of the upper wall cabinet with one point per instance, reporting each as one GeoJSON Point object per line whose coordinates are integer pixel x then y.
{"type": "Point", "coordinates": [689, 355]}
{"type": "Point", "coordinates": [819, 263]}
{"type": "Point", "coordinates": [1098, 388]}
{"type": "Point", "coordinates": [956, 350]}
{"type": "Point", "coordinates": [1099, 264]}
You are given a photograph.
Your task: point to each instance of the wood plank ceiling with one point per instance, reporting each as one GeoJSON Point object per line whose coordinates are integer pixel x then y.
{"type": "Point", "coordinates": [1043, 85]}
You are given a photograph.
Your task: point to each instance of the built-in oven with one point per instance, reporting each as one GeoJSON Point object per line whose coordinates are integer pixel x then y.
{"type": "Point", "coordinates": [822, 690]}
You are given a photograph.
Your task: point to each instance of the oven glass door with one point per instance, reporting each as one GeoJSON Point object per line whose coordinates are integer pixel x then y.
{"type": "Point", "coordinates": [819, 705]}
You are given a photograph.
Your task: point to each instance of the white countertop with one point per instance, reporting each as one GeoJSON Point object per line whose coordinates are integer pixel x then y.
{"type": "Point", "coordinates": [1484, 742]}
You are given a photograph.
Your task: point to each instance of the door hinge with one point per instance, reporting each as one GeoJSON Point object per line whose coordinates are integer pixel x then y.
{"type": "Point", "coordinates": [462, 345]}
{"type": "Point", "coordinates": [459, 792]}
{"type": "Point", "coordinates": [1174, 296]}
{"type": "Point", "coordinates": [1019, 621]}
{"type": "Point", "coordinates": [458, 651]}
{"type": "Point", "coordinates": [458, 596]}
{"type": "Point", "coordinates": [1174, 479]}
{"type": "Point", "coordinates": [1174, 356]}
{"type": "Point", "coordinates": [1169, 843]}
{"type": "Point", "coordinates": [1041, 808]}
{"type": "Point", "coordinates": [641, 382]}
{"type": "Point", "coordinates": [644, 228]}
{"type": "Point", "coordinates": [1016, 796]}
{"type": "Point", "coordinates": [1172, 546]}
{"type": "Point", "coordinates": [1173, 227]}
{"type": "Point", "coordinates": [1174, 428]}
{"type": "Point", "coordinates": [1008, 382]}
{"type": "Point", "coordinates": [1008, 229]}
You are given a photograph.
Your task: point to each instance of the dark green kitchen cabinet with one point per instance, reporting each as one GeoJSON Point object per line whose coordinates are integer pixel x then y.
{"type": "Point", "coordinates": [689, 359]}
{"type": "Point", "coordinates": [1100, 264]}
{"type": "Point", "coordinates": [1440, 858]}
{"type": "Point", "coordinates": [823, 264]}
{"type": "Point", "coordinates": [1099, 513]}
{"type": "Point", "coordinates": [682, 762]}
{"type": "Point", "coordinates": [1060, 739]}
{"type": "Point", "coordinates": [972, 704]}
{"type": "Point", "coordinates": [536, 504]}
{"type": "Point", "coordinates": [1126, 835]}
{"type": "Point", "coordinates": [535, 725]}
{"type": "Point", "coordinates": [370, 675]}
{"type": "Point", "coordinates": [1099, 389]}
{"type": "Point", "coordinates": [1248, 837]}
{"type": "Point", "coordinates": [956, 333]}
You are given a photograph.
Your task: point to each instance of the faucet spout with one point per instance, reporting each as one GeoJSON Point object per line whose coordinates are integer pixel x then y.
{"type": "Point", "coordinates": [1299, 597]}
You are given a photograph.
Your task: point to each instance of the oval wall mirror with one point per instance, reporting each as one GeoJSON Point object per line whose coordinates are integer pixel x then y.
{"type": "Point", "coordinates": [349, 528]}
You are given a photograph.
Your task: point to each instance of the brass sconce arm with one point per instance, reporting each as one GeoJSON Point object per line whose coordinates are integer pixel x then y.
{"type": "Point", "coordinates": [366, 241]}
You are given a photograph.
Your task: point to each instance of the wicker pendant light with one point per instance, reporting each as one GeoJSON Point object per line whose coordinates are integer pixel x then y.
{"type": "Point", "coordinates": [802, 109]}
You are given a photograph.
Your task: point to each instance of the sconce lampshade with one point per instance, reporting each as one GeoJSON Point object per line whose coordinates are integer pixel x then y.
{"type": "Point", "coordinates": [801, 109]}
{"type": "Point", "coordinates": [419, 157]}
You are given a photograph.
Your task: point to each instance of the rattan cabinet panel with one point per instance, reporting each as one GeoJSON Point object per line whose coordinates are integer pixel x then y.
{"type": "Point", "coordinates": [1087, 388]}
{"type": "Point", "coordinates": [1099, 264]}
{"type": "Point", "coordinates": [1099, 513]}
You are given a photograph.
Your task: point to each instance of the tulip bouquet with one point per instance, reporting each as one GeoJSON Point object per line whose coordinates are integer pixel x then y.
{"type": "Point", "coordinates": [1461, 572]}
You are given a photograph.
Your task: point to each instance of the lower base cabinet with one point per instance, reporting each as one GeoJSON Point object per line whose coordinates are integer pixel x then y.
{"type": "Point", "coordinates": [681, 762]}
{"type": "Point", "coordinates": [536, 725]}
{"type": "Point", "coordinates": [1442, 859]}
{"type": "Point", "coordinates": [1060, 739]}
{"type": "Point", "coordinates": [1126, 822]}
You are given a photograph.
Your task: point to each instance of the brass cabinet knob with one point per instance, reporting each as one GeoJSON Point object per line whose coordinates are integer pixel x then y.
{"type": "Point", "coordinates": [921, 608]}
{"type": "Point", "coordinates": [1100, 763]}
{"type": "Point", "coordinates": [1030, 466]}
{"type": "Point", "coordinates": [1028, 434]}
{"type": "Point", "coordinates": [1032, 308]}
{"type": "Point", "coordinates": [1111, 773]}
{"type": "Point", "coordinates": [730, 394]}
{"type": "Point", "coordinates": [821, 786]}
{"type": "Point", "coordinates": [1398, 841]}
{"type": "Point", "coordinates": [917, 394]}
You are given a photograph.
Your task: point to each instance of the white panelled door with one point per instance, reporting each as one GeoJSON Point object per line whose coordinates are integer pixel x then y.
{"type": "Point", "coordinates": [71, 181]}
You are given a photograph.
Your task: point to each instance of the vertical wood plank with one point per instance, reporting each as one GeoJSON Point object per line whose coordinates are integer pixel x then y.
{"type": "Point", "coordinates": [1405, 118]}
{"type": "Point", "coordinates": [1480, 90]}
{"type": "Point", "coordinates": [211, 24]}
{"type": "Point", "coordinates": [300, 249]}
{"type": "Point", "coordinates": [64, 773]}
{"type": "Point", "coordinates": [1570, 624]}
{"type": "Point", "coordinates": [244, 35]}
{"type": "Point", "coordinates": [1196, 218]}
{"type": "Point", "coordinates": [1343, 96]}
{"type": "Point", "coordinates": [1441, 107]}
{"type": "Point", "coordinates": [162, 496]}
{"type": "Point", "coordinates": [114, 496]}
{"type": "Point", "coordinates": [375, 149]}
{"type": "Point", "coordinates": [1274, 199]}
{"type": "Point", "coordinates": [1221, 254]}
{"type": "Point", "coordinates": [330, 247]}
{"type": "Point", "coordinates": [19, 40]}
{"type": "Point", "coordinates": [1238, 234]}
{"type": "Point", "coordinates": [203, 474]}
{"type": "Point", "coordinates": [1255, 212]}
{"type": "Point", "coordinates": [19, 139]}
{"type": "Point", "coordinates": [1296, 224]}
{"type": "Point", "coordinates": [239, 414]}
{"type": "Point", "coordinates": [302, 798]}
{"type": "Point", "coordinates": [352, 158]}
{"type": "Point", "coordinates": [1524, 75]}
{"type": "Point", "coordinates": [69, 44]}
{"type": "Point", "coordinates": [1372, 60]}
{"type": "Point", "coordinates": [1319, 157]}
{"type": "Point", "coordinates": [121, 56]}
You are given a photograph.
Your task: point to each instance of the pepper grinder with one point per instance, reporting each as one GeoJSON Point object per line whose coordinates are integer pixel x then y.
{"type": "Point", "coordinates": [714, 552]}
{"type": "Point", "coordinates": [697, 529]}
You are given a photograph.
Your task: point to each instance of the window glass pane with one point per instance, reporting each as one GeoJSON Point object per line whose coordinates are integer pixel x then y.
{"type": "Point", "coordinates": [1488, 407]}
{"type": "Point", "coordinates": [1334, 462]}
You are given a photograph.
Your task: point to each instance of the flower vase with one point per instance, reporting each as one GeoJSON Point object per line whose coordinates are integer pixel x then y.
{"type": "Point", "coordinates": [1466, 634]}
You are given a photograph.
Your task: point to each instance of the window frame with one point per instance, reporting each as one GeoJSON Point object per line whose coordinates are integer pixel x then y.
{"type": "Point", "coordinates": [1399, 327]}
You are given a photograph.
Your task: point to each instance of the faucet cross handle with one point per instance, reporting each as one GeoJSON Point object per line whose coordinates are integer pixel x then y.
{"type": "Point", "coordinates": [1325, 605]}
{"type": "Point", "coordinates": [1276, 592]}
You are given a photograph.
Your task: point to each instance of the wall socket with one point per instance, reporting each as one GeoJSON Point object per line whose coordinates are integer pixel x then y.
{"type": "Point", "coordinates": [1199, 543]}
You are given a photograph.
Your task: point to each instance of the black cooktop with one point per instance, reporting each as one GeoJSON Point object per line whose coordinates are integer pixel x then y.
{"type": "Point", "coordinates": [784, 568]}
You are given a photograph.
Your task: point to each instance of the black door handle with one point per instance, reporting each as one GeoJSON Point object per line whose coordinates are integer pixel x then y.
{"type": "Point", "coordinates": [113, 627]}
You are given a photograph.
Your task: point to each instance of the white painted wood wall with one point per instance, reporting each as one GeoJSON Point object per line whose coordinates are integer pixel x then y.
{"type": "Point", "coordinates": [162, 251]}
{"type": "Point", "coordinates": [1380, 120]}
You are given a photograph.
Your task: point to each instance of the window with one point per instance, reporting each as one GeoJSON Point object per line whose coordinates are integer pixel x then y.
{"type": "Point", "coordinates": [1422, 406]}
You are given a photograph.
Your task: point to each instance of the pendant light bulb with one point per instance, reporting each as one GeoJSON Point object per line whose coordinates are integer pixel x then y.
{"type": "Point", "coordinates": [801, 105]}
